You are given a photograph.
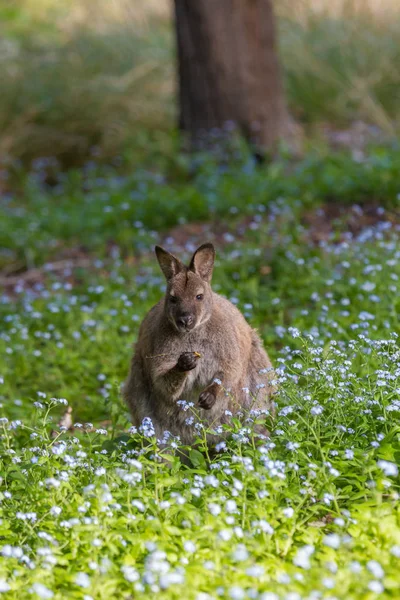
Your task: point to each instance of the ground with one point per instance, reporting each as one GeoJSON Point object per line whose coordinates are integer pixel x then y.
{"type": "Point", "coordinates": [309, 251]}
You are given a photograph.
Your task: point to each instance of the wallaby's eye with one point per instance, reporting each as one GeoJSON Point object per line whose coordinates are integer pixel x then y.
{"type": "Point", "coordinates": [173, 299]}
{"type": "Point", "coordinates": [199, 296]}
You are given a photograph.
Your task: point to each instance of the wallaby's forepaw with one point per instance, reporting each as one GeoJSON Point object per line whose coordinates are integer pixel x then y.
{"type": "Point", "coordinates": [187, 361]}
{"type": "Point", "coordinates": [207, 399]}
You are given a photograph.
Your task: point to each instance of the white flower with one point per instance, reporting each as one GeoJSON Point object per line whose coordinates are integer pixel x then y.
{"type": "Point", "coordinates": [389, 468]}
{"type": "Point", "coordinates": [264, 526]}
{"type": "Point", "coordinates": [225, 534]}
{"type": "Point", "coordinates": [355, 567]}
{"type": "Point", "coordinates": [376, 587]}
{"type": "Point", "coordinates": [376, 569]}
{"type": "Point", "coordinates": [60, 401]}
{"type": "Point", "coordinates": [4, 587]}
{"type": "Point", "coordinates": [288, 512]}
{"type": "Point", "coordinates": [302, 558]}
{"type": "Point", "coordinates": [294, 332]}
{"type": "Point", "coordinates": [167, 579]}
{"type": "Point", "coordinates": [147, 428]}
{"type": "Point", "coordinates": [366, 316]}
{"type": "Point", "coordinates": [240, 553]}
{"type": "Point", "coordinates": [293, 596]}
{"type": "Point", "coordinates": [238, 485]}
{"type": "Point", "coordinates": [189, 546]}
{"type": "Point", "coordinates": [395, 550]}
{"type": "Point", "coordinates": [139, 505]}
{"type": "Point", "coordinates": [236, 593]}
{"type": "Point", "coordinates": [255, 571]}
{"type": "Point", "coordinates": [332, 540]}
{"type": "Point", "coordinates": [292, 445]}
{"type": "Point", "coordinates": [214, 509]}
{"type": "Point", "coordinates": [55, 510]}
{"type": "Point", "coordinates": [130, 573]}
{"type": "Point", "coordinates": [42, 591]}
{"type": "Point", "coordinates": [83, 580]}
{"type": "Point", "coordinates": [212, 481]}
{"type": "Point", "coordinates": [230, 506]}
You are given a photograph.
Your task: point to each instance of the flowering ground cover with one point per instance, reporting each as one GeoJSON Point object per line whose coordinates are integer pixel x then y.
{"type": "Point", "coordinates": [88, 508]}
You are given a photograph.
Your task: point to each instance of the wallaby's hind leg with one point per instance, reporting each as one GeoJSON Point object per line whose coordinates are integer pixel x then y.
{"type": "Point", "coordinates": [208, 397]}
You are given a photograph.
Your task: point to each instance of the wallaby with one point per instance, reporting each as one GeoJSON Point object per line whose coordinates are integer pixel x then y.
{"type": "Point", "coordinates": [195, 345]}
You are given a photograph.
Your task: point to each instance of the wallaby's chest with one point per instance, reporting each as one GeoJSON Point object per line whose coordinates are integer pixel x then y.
{"type": "Point", "coordinates": [202, 375]}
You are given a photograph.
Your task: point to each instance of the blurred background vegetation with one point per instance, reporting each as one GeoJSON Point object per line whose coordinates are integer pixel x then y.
{"type": "Point", "coordinates": [95, 77]}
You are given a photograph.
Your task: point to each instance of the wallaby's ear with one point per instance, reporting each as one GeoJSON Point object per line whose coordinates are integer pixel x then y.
{"type": "Point", "coordinates": [202, 262]}
{"type": "Point", "coordinates": [170, 265]}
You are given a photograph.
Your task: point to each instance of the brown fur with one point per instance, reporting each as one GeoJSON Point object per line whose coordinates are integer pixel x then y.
{"type": "Point", "coordinates": [165, 369]}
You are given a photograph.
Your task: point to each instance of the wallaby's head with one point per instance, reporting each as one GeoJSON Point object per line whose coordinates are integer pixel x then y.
{"type": "Point", "coordinates": [188, 300]}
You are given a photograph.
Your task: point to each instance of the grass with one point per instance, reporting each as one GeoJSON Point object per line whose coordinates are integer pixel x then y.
{"type": "Point", "coordinates": [311, 513]}
{"type": "Point", "coordinates": [339, 60]}
{"type": "Point", "coordinates": [87, 208]}
{"type": "Point", "coordinates": [72, 72]}
{"type": "Point", "coordinates": [84, 77]}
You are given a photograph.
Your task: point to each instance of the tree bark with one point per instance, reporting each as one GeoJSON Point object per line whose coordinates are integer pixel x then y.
{"type": "Point", "coordinates": [228, 70]}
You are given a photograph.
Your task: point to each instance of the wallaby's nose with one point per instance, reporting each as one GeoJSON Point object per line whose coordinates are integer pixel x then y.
{"type": "Point", "coordinates": [185, 320]}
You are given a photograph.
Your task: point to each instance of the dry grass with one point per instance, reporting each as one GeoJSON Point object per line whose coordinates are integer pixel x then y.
{"type": "Point", "coordinates": [84, 73]}
{"type": "Point", "coordinates": [342, 60]}
{"type": "Point", "coordinates": [337, 9]}
{"type": "Point", "coordinates": [69, 14]}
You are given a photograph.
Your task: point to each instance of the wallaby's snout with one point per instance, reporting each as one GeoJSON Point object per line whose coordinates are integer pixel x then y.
{"type": "Point", "coordinates": [185, 321]}
{"type": "Point", "coordinates": [188, 300]}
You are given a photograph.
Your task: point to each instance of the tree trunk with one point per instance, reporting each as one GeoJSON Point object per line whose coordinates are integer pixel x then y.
{"type": "Point", "coordinates": [228, 70]}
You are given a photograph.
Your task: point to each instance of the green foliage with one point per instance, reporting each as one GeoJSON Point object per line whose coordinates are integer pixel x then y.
{"type": "Point", "coordinates": [311, 512]}
{"type": "Point", "coordinates": [90, 207]}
